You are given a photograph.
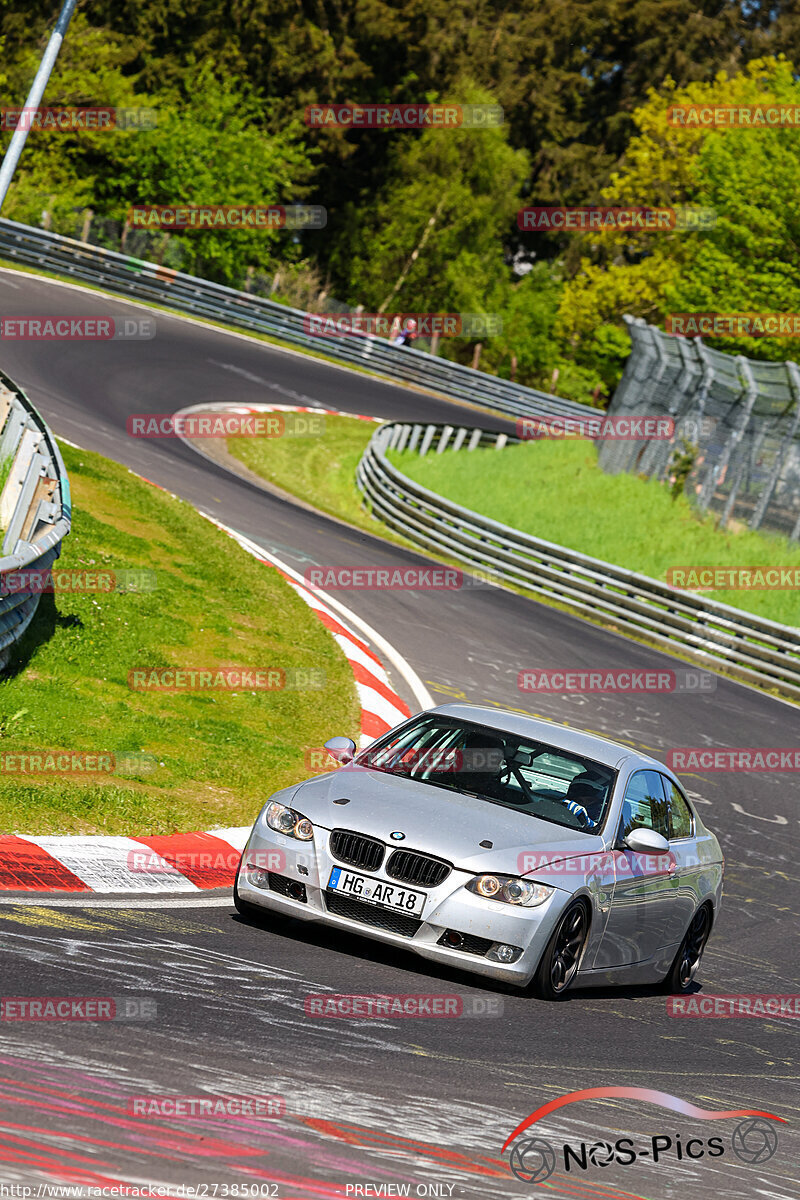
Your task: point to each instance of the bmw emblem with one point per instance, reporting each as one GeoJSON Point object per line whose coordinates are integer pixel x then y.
{"type": "Point", "coordinates": [397, 836]}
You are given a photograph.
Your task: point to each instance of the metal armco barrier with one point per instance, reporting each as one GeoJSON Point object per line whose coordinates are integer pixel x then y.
{"type": "Point", "coordinates": [755, 649]}
{"type": "Point", "coordinates": [35, 507]}
{"type": "Point", "coordinates": [140, 280]}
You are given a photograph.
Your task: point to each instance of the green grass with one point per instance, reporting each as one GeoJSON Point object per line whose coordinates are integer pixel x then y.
{"type": "Point", "coordinates": [556, 491]}
{"type": "Point", "coordinates": [5, 470]}
{"type": "Point", "coordinates": [218, 755]}
{"type": "Point", "coordinates": [320, 470]}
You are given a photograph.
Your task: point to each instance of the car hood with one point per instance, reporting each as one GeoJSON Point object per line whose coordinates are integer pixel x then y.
{"type": "Point", "coordinates": [448, 824]}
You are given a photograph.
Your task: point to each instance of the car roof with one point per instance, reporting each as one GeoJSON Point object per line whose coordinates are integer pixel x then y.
{"type": "Point", "coordinates": [586, 745]}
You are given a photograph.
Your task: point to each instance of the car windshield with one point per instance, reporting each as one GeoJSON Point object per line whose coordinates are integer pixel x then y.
{"type": "Point", "coordinates": [530, 777]}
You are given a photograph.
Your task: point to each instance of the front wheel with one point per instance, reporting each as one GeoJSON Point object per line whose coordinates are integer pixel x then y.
{"type": "Point", "coordinates": [559, 963]}
{"type": "Point", "coordinates": [687, 960]}
{"type": "Point", "coordinates": [251, 912]}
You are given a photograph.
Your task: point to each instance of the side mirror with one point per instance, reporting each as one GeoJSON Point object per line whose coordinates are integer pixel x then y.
{"type": "Point", "coordinates": [343, 749]}
{"type": "Point", "coordinates": [645, 841]}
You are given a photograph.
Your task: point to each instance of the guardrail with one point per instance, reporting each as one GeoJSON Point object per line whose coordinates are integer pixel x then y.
{"type": "Point", "coordinates": [755, 649]}
{"type": "Point", "coordinates": [140, 280]}
{"type": "Point", "coordinates": [35, 507]}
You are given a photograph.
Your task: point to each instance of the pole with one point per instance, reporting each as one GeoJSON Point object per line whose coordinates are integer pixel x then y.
{"type": "Point", "coordinates": [34, 97]}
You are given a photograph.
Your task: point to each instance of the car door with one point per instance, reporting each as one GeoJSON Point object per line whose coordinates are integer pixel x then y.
{"type": "Point", "coordinates": [643, 893]}
{"type": "Point", "coordinates": [685, 875]}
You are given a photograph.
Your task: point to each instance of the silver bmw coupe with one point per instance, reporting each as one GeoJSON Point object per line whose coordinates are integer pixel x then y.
{"type": "Point", "coordinates": [503, 845]}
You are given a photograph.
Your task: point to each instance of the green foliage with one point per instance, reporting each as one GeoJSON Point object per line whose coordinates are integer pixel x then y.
{"type": "Point", "coordinates": [207, 148]}
{"type": "Point", "coordinates": [681, 464]}
{"type": "Point", "coordinates": [749, 262]}
{"type": "Point", "coordinates": [426, 221]}
{"type": "Point", "coordinates": [555, 490]}
{"type": "Point", "coordinates": [432, 239]}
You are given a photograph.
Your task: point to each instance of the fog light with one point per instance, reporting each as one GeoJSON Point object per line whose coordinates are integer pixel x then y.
{"type": "Point", "coordinates": [453, 938]}
{"type": "Point", "coordinates": [258, 877]}
{"type": "Point", "coordinates": [503, 953]}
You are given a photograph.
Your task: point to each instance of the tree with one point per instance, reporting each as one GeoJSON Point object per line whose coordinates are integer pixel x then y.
{"type": "Point", "coordinates": [432, 239]}
{"type": "Point", "coordinates": [212, 152]}
{"type": "Point", "coordinates": [750, 261]}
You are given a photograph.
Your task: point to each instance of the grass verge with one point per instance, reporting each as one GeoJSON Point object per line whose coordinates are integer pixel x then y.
{"type": "Point", "coordinates": [555, 490]}
{"type": "Point", "coordinates": [205, 758]}
{"type": "Point", "coordinates": [319, 470]}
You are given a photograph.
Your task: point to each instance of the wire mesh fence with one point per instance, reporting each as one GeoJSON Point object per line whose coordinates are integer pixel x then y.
{"type": "Point", "coordinates": [737, 423]}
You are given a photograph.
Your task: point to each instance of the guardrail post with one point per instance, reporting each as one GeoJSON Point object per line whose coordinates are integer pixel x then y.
{"type": "Point", "coordinates": [36, 466]}
{"type": "Point", "coordinates": [12, 432]}
{"type": "Point", "coordinates": [405, 431]}
{"type": "Point", "coordinates": [397, 435]}
{"type": "Point", "coordinates": [15, 485]}
{"type": "Point", "coordinates": [444, 439]}
{"type": "Point", "coordinates": [415, 436]}
{"type": "Point", "coordinates": [474, 441]}
{"type": "Point", "coordinates": [459, 438]}
{"type": "Point", "coordinates": [429, 435]}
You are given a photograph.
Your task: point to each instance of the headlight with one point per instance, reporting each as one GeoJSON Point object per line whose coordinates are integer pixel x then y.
{"type": "Point", "coordinates": [509, 889]}
{"type": "Point", "coordinates": [286, 820]}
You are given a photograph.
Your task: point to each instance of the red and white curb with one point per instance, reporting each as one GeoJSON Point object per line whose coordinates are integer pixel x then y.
{"type": "Point", "coordinates": [193, 862]}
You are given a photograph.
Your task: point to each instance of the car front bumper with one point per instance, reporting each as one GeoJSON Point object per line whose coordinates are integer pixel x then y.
{"type": "Point", "coordinates": [291, 864]}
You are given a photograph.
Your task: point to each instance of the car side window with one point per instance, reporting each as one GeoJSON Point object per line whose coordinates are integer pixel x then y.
{"type": "Point", "coordinates": [680, 815]}
{"type": "Point", "coordinates": [644, 805]}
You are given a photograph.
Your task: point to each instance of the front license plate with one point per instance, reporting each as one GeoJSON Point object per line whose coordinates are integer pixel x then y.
{"type": "Point", "coordinates": [376, 891]}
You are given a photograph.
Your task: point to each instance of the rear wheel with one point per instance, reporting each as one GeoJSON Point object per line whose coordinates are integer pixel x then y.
{"type": "Point", "coordinates": [559, 963]}
{"type": "Point", "coordinates": [687, 960]}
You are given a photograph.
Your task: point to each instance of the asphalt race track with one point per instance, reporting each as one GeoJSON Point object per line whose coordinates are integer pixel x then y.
{"type": "Point", "coordinates": [423, 1102]}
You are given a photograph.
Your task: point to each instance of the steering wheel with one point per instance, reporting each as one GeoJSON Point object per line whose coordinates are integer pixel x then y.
{"type": "Point", "coordinates": [580, 812]}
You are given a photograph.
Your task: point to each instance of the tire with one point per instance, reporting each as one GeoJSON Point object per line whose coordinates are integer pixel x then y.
{"type": "Point", "coordinates": [687, 960]}
{"type": "Point", "coordinates": [559, 964]}
{"type": "Point", "coordinates": [251, 912]}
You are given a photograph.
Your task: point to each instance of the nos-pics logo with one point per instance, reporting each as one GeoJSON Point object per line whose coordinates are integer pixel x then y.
{"type": "Point", "coordinates": [533, 1159]}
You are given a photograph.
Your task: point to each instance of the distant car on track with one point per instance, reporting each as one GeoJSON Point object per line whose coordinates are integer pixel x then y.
{"type": "Point", "coordinates": [506, 846]}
